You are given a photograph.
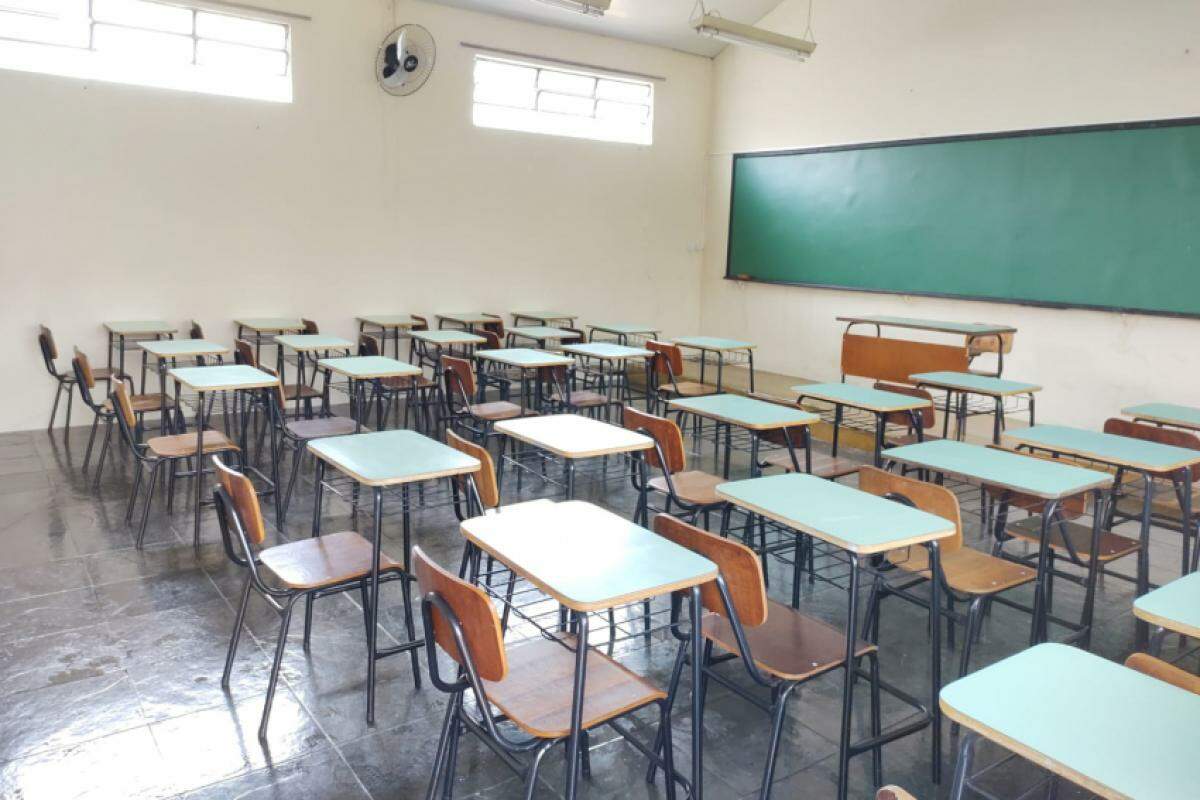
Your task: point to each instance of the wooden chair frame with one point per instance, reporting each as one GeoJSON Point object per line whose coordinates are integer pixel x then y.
{"type": "Point", "coordinates": [64, 382]}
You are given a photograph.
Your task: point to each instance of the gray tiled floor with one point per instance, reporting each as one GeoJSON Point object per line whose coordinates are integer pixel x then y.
{"type": "Point", "coordinates": [110, 663]}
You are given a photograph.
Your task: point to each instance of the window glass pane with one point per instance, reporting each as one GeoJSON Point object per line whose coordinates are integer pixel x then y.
{"type": "Point", "coordinates": [129, 44]}
{"type": "Point", "coordinates": [622, 112]}
{"type": "Point", "coordinates": [48, 8]}
{"type": "Point", "coordinates": [30, 27]}
{"type": "Point", "coordinates": [140, 14]}
{"type": "Point", "coordinates": [565, 104]}
{"type": "Point", "coordinates": [622, 90]}
{"type": "Point", "coordinates": [239, 58]}
{"type": "Point", "coordinates": [241, 30]}
{"type": "Point", "coordinates": [502, 95]}
{"type": "Point", "coordinates": [499, 73]}
{"type": "Point", "coordinates": [566, 83]}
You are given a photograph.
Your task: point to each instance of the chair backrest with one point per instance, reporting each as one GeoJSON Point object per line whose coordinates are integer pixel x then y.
{"type": "Point", "coordinates": [310, 327]}
{"type": "Point", "coordinates": [195, 331]}
{"type": "Point", "coordinates": [245, 500]}
{"type": "Point", "coordinates": [668, 358]}
{"type": "Point", "coordinates": [893, 360]}
{"type": "Point", "coordinates": [485, 479]}
{"type": "Point", "coordinates": [928, 497]}
{"type": "Point", "coordinates": [738, 564]}
{"type": "Point", "coordinates": [663, 431]}
{"type": "Point", "coordinates": [368, 345]}
{"type": "Point", "coordinates": [459, 376]}
{"type": "Point", "coordinates": [775, 436]}
{"type": "Point", "coordinates": [477, 619]}
{"type": "Point", "coordinates": [419, 323]}
{"type": "Point", "coordinates": [576, 336]}
{"type": "Point", "coordinates": [978, 345]}
{"type": "Point", "coordinates": [86, 377]}
{"type": "Point", "coordinates": [1164, 671]}
{"type": "Point", "coordinates": [893, 793]}
{"type": "Point", "coordinates": [48, 348]}
{"type": "Point", "coordinates": [244, 351]}
{"type": "Point", "coordinates": [1153, 433]}
{"type": "Point", "coordinates": [491, 340]}
{"type": "Point", "coordinates": [925, 416]}
{"type": "Point", "coordinates": [123, 407]}
{"type": "Point", "coordinates": [495, 324]}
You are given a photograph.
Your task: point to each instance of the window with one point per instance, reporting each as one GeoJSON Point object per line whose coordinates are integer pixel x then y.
{"type": "Point", "coordinates": [164, 44]}
{"type": "Point", "coordinates": [526, 97]}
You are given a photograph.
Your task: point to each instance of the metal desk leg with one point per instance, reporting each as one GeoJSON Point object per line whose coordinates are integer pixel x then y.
{"type": "Point", "coordinates": [720, 369]}
{"type": "Point", "coordinates": [697, 698]}
{"type": "Point", "coordinates": [998, 420]}
{"type": "Point", "coordinates": [1089, 602]}
{"type": "Point", "coordinates": [373, 594]}
{"type": "Point", "coordinates": [750, 355]}
{"type": "Point", "coordinates": [201, 408]}
{"type": "Point", "coordinates": [574, 739]}
{"type": "Point", "coordinates": [848, 678]}
{"type": "Point", "coordinates": [1038, 632]}
{"type": "Point", "coordinates": [1142, 636]}
{"type": "Point", "coordinates": [935, 659]}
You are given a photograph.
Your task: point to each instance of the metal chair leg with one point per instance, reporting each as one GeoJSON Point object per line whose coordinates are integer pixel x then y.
{"type": "Point", "coordinates": [284, 623]}
{"type": "Point", "coordinates": [672, 690]}
{"type": "Point", "coordinates": [439, 760]}
{"type": "Point", "coordinates": [54, 411]}
{"type": "Point", "coordinates": [108, 426]}
{"type": "Point", "coordinates": [67, 423]}
{"type": "Point", "coordinates": [87, 454]}
{"type": "Point", "coordinates": [452, 751]}
{"type": "Point", "coordinates": [297, 457]}
{"type": "Point", "coordinates": [149, 501]}
{"type": "Point", "coordinates": [974, 621]}
{"type": "Point", "coordinates": [237, 634]}
{"type": "Point", "coordinates": [777, 715]}
{"type": "Point", "coordinates": [532, 772]}
{"type": "Point", "coordinates": [137, 484]}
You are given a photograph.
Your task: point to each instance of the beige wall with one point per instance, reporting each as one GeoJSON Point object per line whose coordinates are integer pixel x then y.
{"type": "Point", "coordinates": [120, 202]}
{"type": "Point", "coordinates": [887, 70]}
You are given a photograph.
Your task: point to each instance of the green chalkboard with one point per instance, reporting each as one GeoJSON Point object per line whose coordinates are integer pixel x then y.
{"type": "Point", "coordinates": [1098, 216]}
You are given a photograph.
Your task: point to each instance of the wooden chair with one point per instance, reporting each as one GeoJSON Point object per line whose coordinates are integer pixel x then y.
{"type": "Point", "coordinates": [1164, 671]}
{"type": "Point", "coordinates": [667, 370]}
{"type": "Point", "coordinates": [86, 381]}
{"type": "Point", "coordinates": [567, 396]}
{"type": "Point", "coordinates": [64, 383]}
{"type": "Point", "coordinates": [1167, 506]}
{"type": "Point", "coordinates": [693, 491]}
{"type": "Point", "coordinates": [893, 793]}
{"type": "Point", "coordinates": [195, 331]}
{"type": "Point", "coordinates": [159, 453]}
{"type": "Point", "coordinates": [494, 373]}
{"type": "Point", "coordinates": [979, 345]}
{"type": "Point", "coordinates": [460, 408]}
{"type": "Point", "coordinates": [302, 395]}
{"type": "Point", "coordinates": [967, 575]}
{"type": "Point", "coordinates": [418, 391]}
{"type": "Point", "coordinates": [819, 464]}
{"type": "Point", "coordinates": [531, 685]}
{"type": "Point", "coordinates": [284, 573]}
{"type": "Point", "coordinates": [925, 417]}
{"type": "Point", "coordinates": [779, 647]}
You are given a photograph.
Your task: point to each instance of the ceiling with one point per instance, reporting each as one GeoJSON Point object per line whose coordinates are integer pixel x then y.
{"type": "Point", "coordinates": [658, 22]}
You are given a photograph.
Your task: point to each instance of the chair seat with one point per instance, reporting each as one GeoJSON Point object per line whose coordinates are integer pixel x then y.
{"type": "Point", "coordinates": [322, 561]}
{"type": "Point", "coordinates": [405, 382]}
{"type": "Point", "coordinates": [291, 391]}
{"type": "Point", "coordinates": [1069, 508]}
{"type": "Point", "coordinates": [909, 438]}
{"type": "Point", "coordinates": [497, 410]}
{"type": "Point", "coordinates": [967, 570]}
{"type": "Point", "coordinates": [184, 444]}
{"type": "Point", "coordinates": [1112, 545]}
{"type": "Point", "coordinates": [583, 398]}
{"type": "Point", "coordinates": [1165, 504]}
{"type": "Point", "coordinates": [536, 693]}
{"type": "Point", "coordinates": [105, 373]}
{"type": "Point", "coordinates": [321, 427]}
{"type": "Point", "coordinates": [687, 389]}
{"type": "Point", "coordinates": [692, 486]}
{"type": "Point", "coordinates": [789, 645]}
{"type": "Point", "coordinates": [141, 403]}
{"type": "Point", "coordinates": [823, 466]}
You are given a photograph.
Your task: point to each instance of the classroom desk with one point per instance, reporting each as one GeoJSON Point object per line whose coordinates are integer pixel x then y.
{"type": "Point", "coordinates": [613, 362]}
{"type": "Point", "coordinates": [589, 559]}
{"type": "Point", "coordinates": [265, 329]}
{"type": "Point", "coordinates": [1173, 608]}
{"type": "Point", "coordinates": [986, 466]}
{"type": "Point", "coordinates": [385, 323]}
{"type": "Point", "coordinates": [572, 438]}
{"type": "Point", "coordinates": [734, 410]}
{"type": "Point", "coordinates": [1169, 414]}
{"type": "Point", "coordinates": [431, 344]}
{"type": "Point", "coordinates": [528, 361]}
{"type": "Point", "coordinates": [166, 351]}
{"type": "Point", "coordinates": [622, 332]}
{"type": "Point", "coordinates": [971, 330]}
{"type": "Point", "coordinates": [965, 384]}
{"type": "Point", "coordinates": [122, 334]}
{"type": "Point", "coordinates": [236, 378]}
{"type": "Point", "coordinates": [361, 370]}
{"type": "Point", "coordinates": [720, 348]}
{"type": "Point", "coordinates": [381, 460]}
{"type": "Point", "coordinates": [547, 318]}
{"type": "Point", "coordinates": [1124, 453]}
{"type": "Point", "coordinates": [467, 320]}
{"type": "Point", "coordinates": [862, 525]}
{"type": "Point", "coordinates": [874, 401]}
{"type": "Point", "coordinates": [304, 345]}
{"type": "Point", "coordinates": [540, 334]}
{"type": "Point", "coordinates": [1110, 729]}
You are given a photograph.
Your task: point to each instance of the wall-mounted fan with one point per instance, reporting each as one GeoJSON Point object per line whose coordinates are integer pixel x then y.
{"type": "Point", "coordinates": [405, 60]}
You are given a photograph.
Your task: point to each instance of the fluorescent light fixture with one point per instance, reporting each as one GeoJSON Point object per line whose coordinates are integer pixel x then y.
{"type": "Point", "coordinates": [593, 8]}
{"type": "Point", "coordinates": [725, 30]}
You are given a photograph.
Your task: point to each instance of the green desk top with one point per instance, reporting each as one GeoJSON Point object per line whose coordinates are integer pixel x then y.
{"type": "Point", "coordinates": [856, 521]}
{"type": "Point", "coordinates": [1175, 606]}
{"type": "Point", "coordinates": [128, 327]}
{"type": "Point", "coordinates": [172, 348]}
{"type": "Point", "coordinates": [1111, 449]}
{"type": "Point", "coordinates": [986, 465]}
{"type": "Point", "coordinates": [469, 317]}
{"type": "Point", "coordinates": [541, 332]}
{"type": "Point", "coordinates": [524, 357]}
{"type": "Point", "coordinates": [307, 342]}
{"type": "Point", "coordinates": [544, 316]}
{"type": "Point", "coordinates": [270, 324]}
{"type": "Point", "coordinates": [587, 557]}
{"type": "Point", "coordinates": [1167, 414]}
{"type": "Point", "coordinates": [389, 320]}
{"type": "Point", "coordinates": [938, 326]}
{"type": "Point", "coordinates": [624, 330]}
{"type": "Point", "coordinates": [970, 382]}
{"type": "Point", "coordinates": [226, 377]}
{"type": "Point", "coordinates": [451, 337]}
{"type": "Point", "coordinates": [712, 343]}
{"type": "Point", "coordinates": [574, 436]}
{"type": "Point", "coordinates": [848, 394]}
{"type": "Point", "coordinates": [390, 458]}
{"type": "Point", "coordinates": [745, 412]}
{"type": "Point", "coordinates": [1114, 731]}
{"type": "Point", "coordinates": [366, 367]}
{"type": "Point", "coordinates": [606, 351]}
